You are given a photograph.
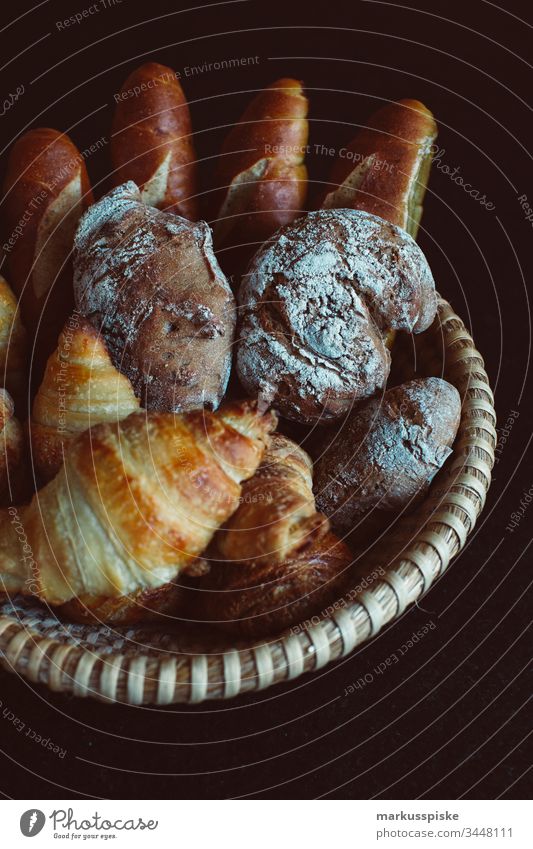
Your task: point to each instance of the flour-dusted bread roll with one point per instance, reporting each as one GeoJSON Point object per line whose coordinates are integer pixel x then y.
{"type": "Point", "coordinates": [149, 282]}
{"type": "Point", "coordinates": [316, 303]}
{"type": "Point", "coordinates": [385, 456]}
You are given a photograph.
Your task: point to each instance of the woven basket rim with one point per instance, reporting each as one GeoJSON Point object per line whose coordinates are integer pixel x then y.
{"type": "Point", "coordinates": [449, 513]}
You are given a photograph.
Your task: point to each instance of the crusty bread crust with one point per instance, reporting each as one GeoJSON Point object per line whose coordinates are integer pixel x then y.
{"type": "Point", "coordinates": [151, 141]}
{"type": "Point", "coordinates": [261, 174]}
{"type": "Point", "coordinates": [315, 305]}
{"type": "Point", "coordinates": [384, 457]}
{"type": "Point", "coordinates": [385, 169]}
{"type": "Point", "coordinates": [46, 190]}
{"type": "Point", "coordinates": [149, 282]}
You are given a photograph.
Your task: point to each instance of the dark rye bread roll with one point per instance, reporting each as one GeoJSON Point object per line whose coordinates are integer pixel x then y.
{"type": "Point", "coordinates": [315, 305]}
{"type": "Point", "coordinates": [149, 282]}
{"type": "Point", "coordinates": [385, 456]}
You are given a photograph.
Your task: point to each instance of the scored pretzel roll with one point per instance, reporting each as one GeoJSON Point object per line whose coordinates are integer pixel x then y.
{"type": "Point", "coordinates": [45, 192]}
{"type": "Point", "coordinates": [261, 171]}
{"type": "Point", "coordinates": [385, 169]}
{"type": "Point", "coordinates": [13, 346]}
{"type": "Point", "coordinates": [277, 514]}
{"type": "Point", "coordinates": [151, 140]}
{"type": "Point", "coordinates": [80, 388]}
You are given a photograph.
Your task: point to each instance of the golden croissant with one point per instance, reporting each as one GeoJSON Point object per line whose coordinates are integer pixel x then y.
{"type": "Point", "coordinates": [13, 345]}
{"type": "Point", "coordinates": [141, 606]}
{"type": "Point", "coordinates": [81, 387]}
{"type": "Point", "coordinates": [133, 505]}
{"type": "Point", "coordinates": [277, 515]}
{"type": "Point", "coordinates": [11, 452]}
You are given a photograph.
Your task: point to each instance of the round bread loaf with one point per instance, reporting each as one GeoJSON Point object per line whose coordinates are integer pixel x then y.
{"type": "Point", "coordinates": [149, 282]}
{"type": "Point", "coordinates": [315, 305]}
{"type": "Point", "coordinates": [384, 457]}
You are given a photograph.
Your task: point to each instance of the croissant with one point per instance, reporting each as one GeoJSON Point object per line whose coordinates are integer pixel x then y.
{"type": "Point", "coordinates": [277, 515]}
{"type": "Point", "coordinates": [80, 388]}
{"type": "Point", "coordinates": [13, 345]}
{"type": "Point", "coordinates": [133, 505]}
{"type": "Point", "coordinates": [149, 605]}
{"type": "Point", "coordinates": [140, 606]}
{"type": "Point", "coordinates": [263, 599]}
{"type": "Point", "coordinates": [11, 451]}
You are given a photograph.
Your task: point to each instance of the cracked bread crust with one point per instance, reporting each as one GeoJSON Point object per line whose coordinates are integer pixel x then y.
{"type": "Point", "coordinates": [385, 456]}
{"type": "Point", "coordinates": [149, 282]}
{"type": "Point", "coordinates": [317, 302]}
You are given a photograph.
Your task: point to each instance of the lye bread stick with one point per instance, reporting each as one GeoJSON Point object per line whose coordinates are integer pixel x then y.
{"type": "Point", "coordinates": [385, 169]}
{"type": "Point", "coordinates": [151, 140]}
{"type": "Point", "coordinates": [45, 192]}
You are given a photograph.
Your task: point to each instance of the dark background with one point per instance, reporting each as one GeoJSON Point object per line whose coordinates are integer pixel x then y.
{"type": "Point", "coordinates": [450, 719]}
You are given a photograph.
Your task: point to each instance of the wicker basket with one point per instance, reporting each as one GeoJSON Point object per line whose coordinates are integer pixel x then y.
{"type": "Point", "coordinates": [144, 665]}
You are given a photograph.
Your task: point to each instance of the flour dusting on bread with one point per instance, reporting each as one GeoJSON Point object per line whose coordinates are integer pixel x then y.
{"type": "Point", "coordinates": [315, 304]}
{"type": "Point", "coordinates": [386, 454]}
{"type": "Point", "coordinates": [150, 283]}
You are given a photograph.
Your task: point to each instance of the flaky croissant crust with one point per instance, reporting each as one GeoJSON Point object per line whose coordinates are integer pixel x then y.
{"type": "Point", "coordinates": [80, 388]}
{"type": "Point", "coordinates": [134, 504]}
{"type": "Point", "coordinates": [277, 513]}
{"type": "Point", "coordinates": [263, 599]}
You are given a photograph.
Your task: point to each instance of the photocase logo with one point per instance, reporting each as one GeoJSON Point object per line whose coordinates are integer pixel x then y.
{"type": "Point", "coordinates": [32, 822]}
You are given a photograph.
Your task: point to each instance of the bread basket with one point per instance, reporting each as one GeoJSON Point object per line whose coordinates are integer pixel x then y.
{"type": "Point", "coordinates": [144, 665]}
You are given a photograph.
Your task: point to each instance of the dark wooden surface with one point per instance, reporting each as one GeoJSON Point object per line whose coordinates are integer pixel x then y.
{"type": "Point", "coordinates": [449, 718]}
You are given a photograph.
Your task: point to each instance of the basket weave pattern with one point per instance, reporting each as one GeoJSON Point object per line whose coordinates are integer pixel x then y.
{"type": "Point", "coordinates": [147, 666]}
